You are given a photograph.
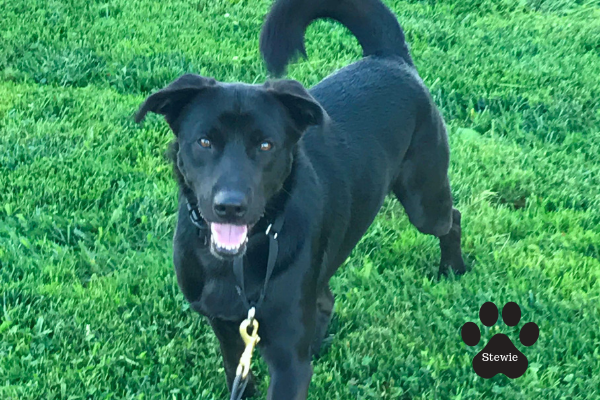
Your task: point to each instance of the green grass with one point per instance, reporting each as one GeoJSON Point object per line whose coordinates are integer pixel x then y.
{"type": "Point", "coordinates": [90, 306]}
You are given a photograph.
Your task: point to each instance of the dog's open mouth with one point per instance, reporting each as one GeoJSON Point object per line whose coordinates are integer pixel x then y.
{"type": "Point", "coordinates": [228, 239]}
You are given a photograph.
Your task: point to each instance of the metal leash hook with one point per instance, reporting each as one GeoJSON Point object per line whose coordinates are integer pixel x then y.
{"type": "Point", "coordinates": [250, 340]}
{"type": "Point", "coordinates": [243, 369]}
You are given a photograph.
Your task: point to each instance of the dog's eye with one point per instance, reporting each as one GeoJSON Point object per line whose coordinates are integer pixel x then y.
{"type": "Point", "coordinates": [266, 146]}
{"type": "Point", "coordinates": [204, 142]}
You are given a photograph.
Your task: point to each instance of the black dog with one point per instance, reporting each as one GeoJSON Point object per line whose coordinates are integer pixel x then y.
{"type": "Point", "coordinates": [316, 164]}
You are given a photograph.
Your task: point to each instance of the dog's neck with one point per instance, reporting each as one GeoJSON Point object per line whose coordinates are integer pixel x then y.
{"type": "Point", "coordinates": [276, 204]}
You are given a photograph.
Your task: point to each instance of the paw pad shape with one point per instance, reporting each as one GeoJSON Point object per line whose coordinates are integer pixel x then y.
{"type": "Point", "coordinates": [500, 356]}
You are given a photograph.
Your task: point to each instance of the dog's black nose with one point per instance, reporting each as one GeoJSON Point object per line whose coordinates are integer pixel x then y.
{"type": "Point", "coordinates": [230, 204]}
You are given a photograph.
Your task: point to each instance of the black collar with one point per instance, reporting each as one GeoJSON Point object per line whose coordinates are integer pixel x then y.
{"type": "Point", "coordinates": [199, 222]}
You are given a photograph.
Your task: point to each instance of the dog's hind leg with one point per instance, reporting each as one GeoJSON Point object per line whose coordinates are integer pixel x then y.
{"type": "Point", "coordinates": [423, 189]}
{"type": "Point", "coordinates": [450, 247]}
{"type": "Point", "coordinates": [325, 303]}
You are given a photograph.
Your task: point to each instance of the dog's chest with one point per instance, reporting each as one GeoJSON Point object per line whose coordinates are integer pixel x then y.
{"type": "Point", "coordinates": [210, 285]}
{"type": "Point", "coordinates": [220, 299]}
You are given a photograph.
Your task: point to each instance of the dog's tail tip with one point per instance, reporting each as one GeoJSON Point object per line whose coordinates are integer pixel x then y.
{"type": "Point", "coordinates": [281, 45]}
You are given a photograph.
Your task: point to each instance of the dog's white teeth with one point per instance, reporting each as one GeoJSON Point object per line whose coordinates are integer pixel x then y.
{"type": "Point", "coordinates": [227, 247]}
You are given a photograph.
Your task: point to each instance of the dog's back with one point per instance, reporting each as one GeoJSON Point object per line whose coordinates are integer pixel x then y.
{"type": "Point", "coordinates": [373, 24]}
{"type": "Point", "coordinates": [385, 134]}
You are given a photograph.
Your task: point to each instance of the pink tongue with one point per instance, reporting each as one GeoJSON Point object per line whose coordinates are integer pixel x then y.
{"type": "Point", "coordinates": [227, 235]}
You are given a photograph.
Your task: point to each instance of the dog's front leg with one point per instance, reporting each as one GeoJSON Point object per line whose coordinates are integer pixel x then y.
{"type": "Point", "coordinates": [290, 369]}
{"type": "Point", "coordinates": [232, 347]}
{"type": "Point", "coordinates": [287, 336]}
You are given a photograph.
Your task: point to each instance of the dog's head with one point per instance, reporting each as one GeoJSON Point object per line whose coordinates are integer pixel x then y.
{"type": "Point", "coordinates": [236, 146]}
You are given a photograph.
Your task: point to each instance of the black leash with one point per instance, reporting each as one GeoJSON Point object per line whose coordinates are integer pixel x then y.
{"type": "Point", "coordinates": [238, 266]}
{"type": "Point", "coordinates": [241, 380]}
{"type": "Point", "coordinates": [238, 387]}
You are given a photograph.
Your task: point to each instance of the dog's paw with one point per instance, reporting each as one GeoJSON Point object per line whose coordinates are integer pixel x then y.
{"type": "Point", "coordinates": [453, 268]}
{"type": "Point", "coordinates": [251, 392]}
{"type": "Point", "coordinates": [319, 348]}
{"type": "Point", "coordinates": [500, 356]}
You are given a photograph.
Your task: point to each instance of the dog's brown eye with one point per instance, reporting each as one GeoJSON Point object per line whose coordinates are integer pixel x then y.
{"type": "Point", "coordinates": [204, 142]}
{"type": "Point", "coordinates": [266, 146]}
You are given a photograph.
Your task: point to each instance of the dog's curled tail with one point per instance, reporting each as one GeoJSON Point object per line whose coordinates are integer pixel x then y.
{"type": "Point", "coordinates": [373, 24]}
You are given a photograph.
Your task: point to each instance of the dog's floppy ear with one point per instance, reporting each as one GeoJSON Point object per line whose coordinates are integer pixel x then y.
{"type": "Point", "coordinates": [171, 100]}
{"type": "Point", "coordinates": [304, 110]}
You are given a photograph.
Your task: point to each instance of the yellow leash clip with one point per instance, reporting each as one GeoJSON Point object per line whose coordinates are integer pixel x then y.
{"type": "Point", "coordinates": [250, 340]}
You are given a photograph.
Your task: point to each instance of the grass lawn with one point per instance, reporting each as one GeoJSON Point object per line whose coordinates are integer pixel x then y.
{"type": "Point", "coordinates": [90, 308]}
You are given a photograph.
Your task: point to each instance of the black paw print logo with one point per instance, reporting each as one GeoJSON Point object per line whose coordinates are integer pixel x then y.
{"type": "Point", "coordinates": [500, 356]}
